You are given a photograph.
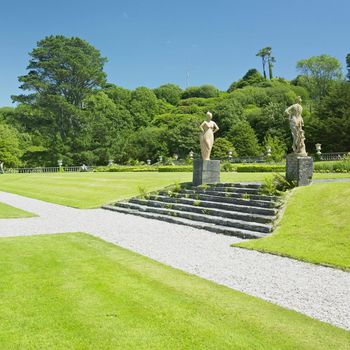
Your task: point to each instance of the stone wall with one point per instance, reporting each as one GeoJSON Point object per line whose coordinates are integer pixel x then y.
{"type": "Point", "coordinates": [206, 172]}
{"type": "Point", "coordinates": [299, 169]}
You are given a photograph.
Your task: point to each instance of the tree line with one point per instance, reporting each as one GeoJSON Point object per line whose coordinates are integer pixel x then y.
{"type": "Point", "coordinates": [69, 111]}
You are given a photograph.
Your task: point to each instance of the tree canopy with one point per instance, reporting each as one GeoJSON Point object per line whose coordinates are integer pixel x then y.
{"type": "Point", "coordinates": [320, 72]}
{"type": "Point", "coordinates": [61, 66]}
{"type": "Point", "coordinates": [204, 91]}
{"type": "Point", "coordinates": [10, 151]}
{"type": "Point", "coordinates": [70, 111]}
{"type": "Point", "coordinates": [170, 93]}
{"type": "Point", "coordinates": [252, 77]}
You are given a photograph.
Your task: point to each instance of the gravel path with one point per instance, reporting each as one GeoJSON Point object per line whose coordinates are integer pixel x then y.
{"type": "Point", "coordinates": [320, 292]}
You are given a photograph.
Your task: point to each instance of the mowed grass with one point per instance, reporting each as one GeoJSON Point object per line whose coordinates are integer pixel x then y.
{"type": "Point", "coordinates": [315, 226]}
{"type": "Point", "coordinates": [74, 291]}
{"type": "Point", "coordinates": [86, 190]}
{"type": "Point", "coordinates": [91, 190]}
{"type": "Point", "coordinates": [9, 212]}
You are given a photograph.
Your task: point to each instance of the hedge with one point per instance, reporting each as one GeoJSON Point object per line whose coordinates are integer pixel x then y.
{"type": "Point", "coordinates": [118, 168]}
{"type": "Point", "coordinates": [175, 168]}
{"type": "Point", "coordinates": [126, 168]}
{"type": "Point", "coordinates": [332, 167]}
{"type": "Point", "coordinates": [319, 167]}
{"type": "Point", "coordinates": [261, 168]}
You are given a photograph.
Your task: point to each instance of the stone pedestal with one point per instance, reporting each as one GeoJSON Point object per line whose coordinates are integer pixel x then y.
{"type": "Point", "coordinates": [299, 169]}
{"type": "Point", "coordinates": [205, 171]}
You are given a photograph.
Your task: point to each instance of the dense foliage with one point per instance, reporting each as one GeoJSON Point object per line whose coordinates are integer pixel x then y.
{"type": "Point", "coordinates": [69, 111]}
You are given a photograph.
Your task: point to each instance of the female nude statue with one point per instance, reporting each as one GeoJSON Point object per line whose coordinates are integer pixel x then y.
{"type": "Point", "coordinates": [296, 126]}
{"type": "Point", "coordinates": [208, 129]}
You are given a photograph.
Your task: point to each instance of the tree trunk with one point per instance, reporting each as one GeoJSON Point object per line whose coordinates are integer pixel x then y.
{"type": "Point", "coordinates": [263, 63]}
{"type": "Point", "coordinates": [270, 70]}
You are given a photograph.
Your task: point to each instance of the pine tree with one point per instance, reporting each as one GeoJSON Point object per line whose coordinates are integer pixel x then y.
{"type": "Point", "coordinates": [267, 58]}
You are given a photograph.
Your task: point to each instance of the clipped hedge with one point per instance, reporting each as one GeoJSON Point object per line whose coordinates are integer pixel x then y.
{"type": "Point", "coordinates": [162, 169]}
{"type": "Point", "coordinates": [260, 168]}
{"type": "Point", "coordinates": [332, 167]}
{"type": "Point", "coordinates": [175, 168]}
{"type": "Point", "coordinates": [119, 168]}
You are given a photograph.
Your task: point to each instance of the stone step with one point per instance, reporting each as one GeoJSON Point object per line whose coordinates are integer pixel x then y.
{"type": "Point", "coordinates": [224, 199]}
{"type": "Point", "coordinates": [240, 224]}
{"type": "Point", "coordinates": [229, 194]}
{"type": "Point", "coordinates": [229, 214]}
{"type": "Point", "coordinates": [217, 205]}
{"type": "Point", "coordinates": [230, 231]}
{"type": "Point", "coordinates": [233, 189]}
{"type": "Point", "coordinates": [238, 184]}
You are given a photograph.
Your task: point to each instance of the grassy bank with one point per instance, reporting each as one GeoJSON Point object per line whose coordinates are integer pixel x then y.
{"type": "Point", "coordinates": [314, 227]}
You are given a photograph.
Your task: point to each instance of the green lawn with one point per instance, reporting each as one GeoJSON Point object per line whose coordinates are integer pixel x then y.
{"type": "Point", "coordinates": [88, 190]}
{"type": "Point", "coordinates": [9, 212]}
{"type": "Point", "coordinates": [315, 226]}
{"type": "Point", "coordinates": [74, 291]}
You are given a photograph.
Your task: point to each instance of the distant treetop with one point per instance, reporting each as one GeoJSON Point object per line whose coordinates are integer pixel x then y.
{"type": "Point", "coordinates": [252, 77]}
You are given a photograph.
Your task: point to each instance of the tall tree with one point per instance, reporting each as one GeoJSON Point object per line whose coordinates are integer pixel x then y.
{"type": "Point", "coordinates": [348, 65]}
{"type": "Point", "coordinates": [270, 60]}
{"type": "Point", "coordinates": [267, 59]}
{"type": "Point", "coordinates": [221, 148]}
{"type": "Point", "coordinates": [68, 67]}
{"type": "Point", "coordinates": [227, 113]}
{"type": "Point", "coordinates": [320, 72]}
{"type": "Point", "coordinates": [62, 73]}
{"type": "Point", "coordinates": [244, 139]}
{"type": "Point", "coordinates": [330, 124]}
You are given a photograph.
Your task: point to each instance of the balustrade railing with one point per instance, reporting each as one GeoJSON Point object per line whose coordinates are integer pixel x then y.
{"type": "Point", "coordinates": [48, 169]}
{"type": "Point", "coordinates": [331, 156]}
{"type": "Point", "coordinates": [248, 160]}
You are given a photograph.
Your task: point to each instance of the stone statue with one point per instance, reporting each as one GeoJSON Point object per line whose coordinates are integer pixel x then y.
{"type": "Point", "coordinates": [208, 129]}
{"type": "Point", "coordinates": [296, 126]}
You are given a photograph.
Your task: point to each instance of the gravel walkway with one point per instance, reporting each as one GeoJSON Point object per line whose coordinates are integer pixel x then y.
{"type": "Point", "coordinates": [320, 292]}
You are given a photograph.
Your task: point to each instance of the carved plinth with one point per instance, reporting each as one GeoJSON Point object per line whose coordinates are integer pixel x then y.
{"type": "Point", "coordinates": [299, 169]}
{"type": "Point", "coordinates": [205, 172]}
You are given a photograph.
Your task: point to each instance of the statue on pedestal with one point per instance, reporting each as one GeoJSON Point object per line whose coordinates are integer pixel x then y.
{"type": "Point", "coordinates": [296, 126]}
{"type": "Point", "coordinates": [208, 129]}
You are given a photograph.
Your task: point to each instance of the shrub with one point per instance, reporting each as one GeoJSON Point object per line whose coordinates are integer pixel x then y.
{"type": "Point", "coordinates": [227, 166]}
{"type": "Point", "coordinates": [142, 192]}
{"type": "Point", "coordinates": [276, 185]}
{"type": "Point", "coordinates": [278, 148]}
{"type": "Point", "coordinates": [177, 186]}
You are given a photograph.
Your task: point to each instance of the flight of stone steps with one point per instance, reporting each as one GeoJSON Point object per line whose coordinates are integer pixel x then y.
{"type": "Point", "coordinates": [236, 209]}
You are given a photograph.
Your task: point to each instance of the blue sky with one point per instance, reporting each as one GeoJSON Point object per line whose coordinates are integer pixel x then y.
{"type": "Point", "coordinates": [153, 42]}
